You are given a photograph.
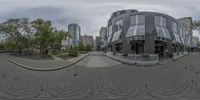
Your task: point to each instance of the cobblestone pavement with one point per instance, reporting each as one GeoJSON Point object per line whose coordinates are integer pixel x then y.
{"type": "Point", "coordinates": [176, 80]}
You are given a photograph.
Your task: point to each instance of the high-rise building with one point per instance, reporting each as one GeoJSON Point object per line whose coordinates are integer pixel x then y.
{"type": "Point", "coordinates": [74, 31]}
{"type": "Point", "coordinates": [103, 36]}
{"type": "Point", "coordinates": [88, 40]}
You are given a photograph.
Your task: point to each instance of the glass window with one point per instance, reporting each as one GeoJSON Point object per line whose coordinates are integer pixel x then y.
{"type": "Point", "coordinates": [137, 20]}
{"type": "Point", "coordinates": [157, 21]}
{"type": "Point", "coordinates": [174, 27]}
{"type": "Point", "coordinates": [141, 19]}
{"type": "Point", "coordinates": [137, 25]}
{"type": "Point", "coordinates": [167, 33]}
{"type": "Point", "coordinates": [131, 31]}
{"type": "Point", "coordinates": [140, 30]}
{"type": "Point", "coordinates": [133, 20]}
{"type": "Point", "coordinates": [164, 21]}
{"type": "Point", "coordinates": [161, 27]}
{"type": "Point", "coordinates": [116, 36]}
{"type": "Point", "coordinates": [109, 32]}
{"type": "Point", "coordinates": [160, 32]}
{"type": "Point", "coordinates": [118, 25]}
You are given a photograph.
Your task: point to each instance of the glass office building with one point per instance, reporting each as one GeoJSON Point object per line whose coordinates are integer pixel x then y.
{"type": "Point", "coordinates": [74, 31]}
{"type": "Point", "coordinates": [134, 32]}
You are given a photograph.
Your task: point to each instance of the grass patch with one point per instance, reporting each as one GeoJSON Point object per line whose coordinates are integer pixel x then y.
{"type": "Point", "coordinates": [82, 52]}
{"type": "Point", "coordinates": [65, 56]}
{"type": "Point", "coordinates": [68, 54]}
{"type": "Point", "coordinates": [62, 54]}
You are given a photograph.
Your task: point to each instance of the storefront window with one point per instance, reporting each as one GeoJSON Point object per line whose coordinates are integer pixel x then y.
{"type": "Point", "coordinates": [161, 27]}
{"type": "Point", "coordinates": [137, 26]}
{"type": "Point", "coordinates": [109, 32]}
{"type": "Point", "coordinates": [118, 25]}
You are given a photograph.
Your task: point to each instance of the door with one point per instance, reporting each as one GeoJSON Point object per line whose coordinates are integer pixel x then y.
{"type": "Point", "coordinates": [160, 51]}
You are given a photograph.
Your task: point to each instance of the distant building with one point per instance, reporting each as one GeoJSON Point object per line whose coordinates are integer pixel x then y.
{"type": "Point", "coordinates": [98, 43]}
{"type": "Point", "coordinates": [187, 23]}
{"type": "Point", "coordinates": [74, 31]}
{"type": "Point", "coordinates": [103, 36]}
{"type": "Point", "coordinates": [88, 40]}
{"type": "Point", "coordinates": [195, 41]}
{"type": "Point", "coordinates": [81, 40]}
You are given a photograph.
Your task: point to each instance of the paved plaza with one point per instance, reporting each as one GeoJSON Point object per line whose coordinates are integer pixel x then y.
{"type": "Point", "coordinates": [97, 77]}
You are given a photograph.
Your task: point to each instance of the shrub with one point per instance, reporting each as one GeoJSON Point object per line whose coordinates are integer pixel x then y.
{"type": "Point", "coordinates": [73, 53]}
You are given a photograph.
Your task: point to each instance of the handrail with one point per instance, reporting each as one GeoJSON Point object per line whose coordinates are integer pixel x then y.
{"type": "Point", "coordinates": [135, 58]}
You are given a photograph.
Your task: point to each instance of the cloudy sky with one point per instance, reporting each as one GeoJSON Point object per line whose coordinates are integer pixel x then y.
{"type": "Point", "coordinates": [91, 14]}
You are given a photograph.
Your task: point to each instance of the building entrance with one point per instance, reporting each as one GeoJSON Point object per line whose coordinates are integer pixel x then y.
{"type": "Point", "coordinates": [159, 50]}
{"type": "Point", "coordinates": [137, 47]}
{"type": "Point", "coordinates": [118, 47]}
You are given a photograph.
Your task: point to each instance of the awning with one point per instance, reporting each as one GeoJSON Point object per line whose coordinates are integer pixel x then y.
{"type": "Point", "coordinates": [163, 32]}
{"type": "Point", "coordinates": [136, 30]}
{"type": "Point", "coordinates": [109, 38]}
{"type": "Point", "coordinates": [176, 38]}
{"type": "Point", "coordinates": [182, 40]}
{"type": "Point", "coordinates": [116, 35]}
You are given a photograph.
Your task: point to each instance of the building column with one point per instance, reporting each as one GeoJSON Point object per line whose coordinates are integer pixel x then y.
{"type": "Point", "coordinates": [126, 47]}
{"type": "Point", "coordinates": [149, 45]}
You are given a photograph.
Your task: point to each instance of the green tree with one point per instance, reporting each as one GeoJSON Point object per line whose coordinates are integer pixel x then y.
{"type": "Point", "coordinates": [21, 34]}
{"type": "Point", "coordinates": [59, 36]}
{"type": "Point", "coordinates": [10, 44]}
{"type": "Point", "coordinates": [88, 48]}
{"type": "Point", "coordinates": [43, 35]}
{"type": "Point", "coordinates": [11, 28]}
{"type": "Point", "coordinates": [81, 47]}
{"type": "Point", "coordinates": [28, 37]}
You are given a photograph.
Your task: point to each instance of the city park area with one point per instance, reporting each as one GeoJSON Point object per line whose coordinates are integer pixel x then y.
{"type": "Point", "coordinates": [33, 66]}
{"type": "Point", "coordinates": [38, 39]}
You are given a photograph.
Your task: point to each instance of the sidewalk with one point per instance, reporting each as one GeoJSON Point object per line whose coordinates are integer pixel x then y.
{"type": "Point", "coordinates": [97, 60]}
{"type": "Point", "coordinates": [39, 65]}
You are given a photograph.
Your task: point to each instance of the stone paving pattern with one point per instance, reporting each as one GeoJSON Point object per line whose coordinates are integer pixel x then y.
{"type": "Point", "coordinates": [175, 80]}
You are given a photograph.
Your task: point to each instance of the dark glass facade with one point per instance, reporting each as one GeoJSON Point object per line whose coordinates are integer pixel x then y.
{"type": "Point", "coordinates": [137, 32]}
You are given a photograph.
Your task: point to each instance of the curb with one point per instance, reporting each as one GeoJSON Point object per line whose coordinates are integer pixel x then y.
{"type": "Point", "coordinates": [45, 69]}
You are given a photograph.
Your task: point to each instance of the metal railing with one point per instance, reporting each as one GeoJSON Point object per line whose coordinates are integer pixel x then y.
{"type": "Point", "coordinates": [179, 55]}
{"type": "Point", "coordinates": [135, 58]}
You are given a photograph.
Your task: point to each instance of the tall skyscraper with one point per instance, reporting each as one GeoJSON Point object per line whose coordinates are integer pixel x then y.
{"type": "Point", "coordinates": [74, 31]}
{"type": "Point", "coordinates": [103, 36]}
